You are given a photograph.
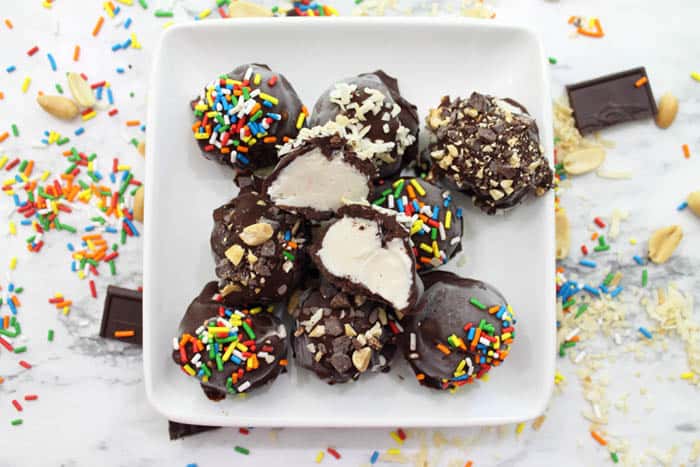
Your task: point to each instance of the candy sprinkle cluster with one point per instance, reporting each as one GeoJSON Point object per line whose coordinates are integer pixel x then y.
{"type": "Point", "coordinates": [484, 348]}
{"type": "Point", "coordinates": [427, 222]}
{"type": "Point", "coordinates": [235, 115]}
{"type": "Point", "coordinates": [229, 337]}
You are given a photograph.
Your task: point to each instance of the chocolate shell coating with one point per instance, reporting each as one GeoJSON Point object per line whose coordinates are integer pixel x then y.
{"type": "Point", "coordinates": [389, 229]}
{"type": "Point", "coordinates": [429, 212]}
{"type": "Point", "coordinates": [254, 99]}
{"type": "Point", "coordinates": [331, 147]}
{"type": "Point", "coordinates": [260, 250]}
{"type": "Point", "coordinates": [340, 336]}
{"type": "Point", "coordinates": [266, 346]}
{"type": "Point", "coordinates": [448, 304]}
{"type": "Point", "coordinates": [487, 148]}
{"type": "Point", "coordinates": [385, 126]}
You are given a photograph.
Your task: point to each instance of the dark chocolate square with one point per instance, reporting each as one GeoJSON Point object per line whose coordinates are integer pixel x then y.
{"type": "Point", "coordinates": [609, 100]}
{"type": "Point", "coordinates": [123, 311]}
{"type": "Point", "coordinates": [182, 430]}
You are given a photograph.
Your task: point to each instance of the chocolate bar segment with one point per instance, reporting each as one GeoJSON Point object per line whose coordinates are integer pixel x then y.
{"type": "Point", "coordinates": [122, 316]}
{"type": "Point", "coordinates": [612, 99]}
{"type": "Point", "coordinates": [182, 430]}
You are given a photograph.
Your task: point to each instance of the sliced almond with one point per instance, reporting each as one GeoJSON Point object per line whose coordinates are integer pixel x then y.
{"type": "Point", "coordinates": [318, 331]}
{"type": "Point", "coordinates": [694, 202]}
{"type": "Point", "coordinates": [80, 89]}
{"type": "Point", "coordinates": [59, 106]}
{"type": "Point", "coordinates": [141, 148]}
{"type": "Point", "coordinates": [563, 235]}
{"type": "Point", "coordinates": [664, 242]}
{"type": "Point", "coordinates": [584, 160]}
{"type": "Point", "coordinates": [247, 10]}
{"type": "Point", "coordinates": [668, 108]}
{"type": "Point", "coordinates": [361, 358]}
{"type": "Point", "coordinates": [235, 254]}
{"type": "Point", "coordinates": [138, 204]}
{"type": "Point", "coordinates": [257, 234]}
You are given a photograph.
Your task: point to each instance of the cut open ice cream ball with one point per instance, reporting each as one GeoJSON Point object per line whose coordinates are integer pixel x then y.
{"type": "Point", "coordinates": [316, 178]}
{"type": "Point", "coordinates": [367, 251]}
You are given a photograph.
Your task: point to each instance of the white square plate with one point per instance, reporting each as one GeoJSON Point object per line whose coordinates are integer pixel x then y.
{"type": "Point", "coordinates": [515, 252]}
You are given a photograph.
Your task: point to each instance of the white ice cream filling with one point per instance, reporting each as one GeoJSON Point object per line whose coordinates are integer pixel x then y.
{"type": "Point", "coordinates": [312, 180]}
{"type": "Point", "coordinates": [352, 249]}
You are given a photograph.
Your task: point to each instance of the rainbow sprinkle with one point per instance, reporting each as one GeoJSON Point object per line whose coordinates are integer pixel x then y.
{"type": "Point", "coordinates": [229, 337]}
{"type": "Point", "coordinates": [235, 115]}
{"type": "Point", "coordinates": [428, 222]}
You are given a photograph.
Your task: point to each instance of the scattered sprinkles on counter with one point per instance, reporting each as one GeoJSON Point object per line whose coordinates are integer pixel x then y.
{"type": "Point", "coordinates": [588, 28]}
{"type": "Point", "coordinates": [586, 308]}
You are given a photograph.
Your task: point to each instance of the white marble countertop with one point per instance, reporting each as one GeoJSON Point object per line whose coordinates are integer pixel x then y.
{"type": "Point", "coordinates": [92, 408]}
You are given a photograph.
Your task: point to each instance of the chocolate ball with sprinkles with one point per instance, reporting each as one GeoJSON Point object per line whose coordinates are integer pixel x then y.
{"type": "Point", "coordinates": [433, 219]}
{"type": "Point", "coordinates": [242, 116]}
{"type": "Point", "coordinates": [489, 148]}
{"type": "Point", "coordinates": [260, 250]}
{"type": "Point", "coordinates": [318, 177]}
{"type": "Point", "coordinates": [370, 113]}
{"type": "Point", "coordinates": [230, 350]}
{"type": "Point", "coordinates": [339, 336]}
{"type": "Point", "coordinates": [367, 251]}
{"type": "Point", "coordinates": [461, 329]}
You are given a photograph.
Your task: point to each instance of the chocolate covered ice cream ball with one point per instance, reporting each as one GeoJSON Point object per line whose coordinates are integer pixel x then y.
{"type": "Point", "coordinates": [367, 251]}
{"type": "Point", "coordinates": [260, 250]}
{"type": "Point", "coordinates": [461, 329]}
{"type": "Point", "coordinates": [318, 177]}
{"type": "Point", "coordinates": [230, 350]}
{"type": "Point", "coordinates": [489, 148]}
{"type": "Point", "coordinates": [433, 219]}
{"type": "Point", "coordinates": [340, 336]}
{"type": "Point", "coordinates": [243, 115]}
{"type": "Point", "coordinates": [369, 112]}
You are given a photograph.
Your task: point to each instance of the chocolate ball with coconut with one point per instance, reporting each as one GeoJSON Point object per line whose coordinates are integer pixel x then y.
{"type": "Point", "coordinates": [367, 251]}
{"type": "Point", "coordinates": [242, 116]}
{"type": "Point", "coordinates": [462, 328]}
{"type": "Point", "coordinates": [260, 250]}
{"type": "Point", "coordinates": [340, 336]}
{"type": "Point", "coordinates": [370, 113]}
{"type": "Point", "coordinates": [433, 219]}
{"type": "Point", "coordinates": [488, 148]}
{"type": "Point", "coordinates": [206, 349]}
{"type": "Point", "coordinates": [318, 177]}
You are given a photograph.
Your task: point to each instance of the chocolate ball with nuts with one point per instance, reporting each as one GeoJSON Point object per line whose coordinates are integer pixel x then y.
{"type": "Point", "coordinates": [340, 336]}
{"type": "Point", "coordinates": [259, 249]}
{"type": "Point", "coordinates": [488, 148]}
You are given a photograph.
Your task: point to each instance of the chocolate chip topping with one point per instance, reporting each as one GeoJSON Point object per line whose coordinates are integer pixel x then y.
{"type": "Point", "coordinates": [259, 249]}
{"type": "Point", "coordinates": [488, 148]}
{"type": "Point", "coordinates": [341, 343]}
